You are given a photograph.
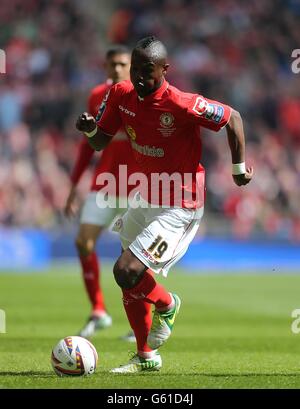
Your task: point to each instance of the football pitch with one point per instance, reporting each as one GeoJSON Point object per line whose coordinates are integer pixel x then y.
{"type": "Point", "coordinates": [233, 331]}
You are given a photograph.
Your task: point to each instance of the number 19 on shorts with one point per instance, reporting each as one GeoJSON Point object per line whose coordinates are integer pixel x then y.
{"type": "Point", "coordinates": [158, 247]}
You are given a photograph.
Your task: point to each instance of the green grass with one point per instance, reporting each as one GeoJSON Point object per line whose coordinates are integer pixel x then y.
{"type": "Point", "coordinates": [233, 331]}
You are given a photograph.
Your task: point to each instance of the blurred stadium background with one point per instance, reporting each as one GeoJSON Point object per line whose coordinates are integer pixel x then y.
{"type": "Point", "coordinates": [235, 51]}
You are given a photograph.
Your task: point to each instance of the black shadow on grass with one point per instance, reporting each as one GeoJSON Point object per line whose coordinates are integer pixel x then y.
{"type": "Point", "coordinates": [247, 374]}
{"type": "Point", "coordinates": [44, 374]}
{"type": "Point", "coordinates": [27, 373]}
{"type": "Point", "coordinates": [235, 375]}
{"type": "Point", "coordinates": [211, 375]}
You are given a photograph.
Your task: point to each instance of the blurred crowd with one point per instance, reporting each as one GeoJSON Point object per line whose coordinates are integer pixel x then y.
{"type": "Point", "coordinates": [234, 51]}
{"type": "Point", "coordinates": [54, 57]}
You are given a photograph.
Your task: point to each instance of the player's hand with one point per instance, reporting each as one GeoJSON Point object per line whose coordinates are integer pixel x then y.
{"type": "Point", "coordinates": [86, 122]}
{"type": "Point", "coordinates": [71, 207]}
{"type": "Point", "coordinates": [245, 178]}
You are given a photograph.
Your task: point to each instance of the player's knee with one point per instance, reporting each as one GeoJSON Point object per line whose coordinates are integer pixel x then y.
{"type": "Point", "coordinates": [84, 246]}
{"type": "Point", "coordinates": [126, 273]}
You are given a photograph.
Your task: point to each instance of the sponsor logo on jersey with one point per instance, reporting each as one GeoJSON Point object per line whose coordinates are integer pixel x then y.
{"type": "Point", "coordinates": [131, 132]}
{"type": "Point", "coordinates": [148, 150]}
{"type": "Point", "coordinates": [212, 112]}
{"type": "Point", "coordinates": [126, 111]}
{"type": "Point", "coordinates": [166, 120]}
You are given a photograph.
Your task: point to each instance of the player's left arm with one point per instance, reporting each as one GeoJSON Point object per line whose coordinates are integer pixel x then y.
{"type": "Point", "coordinates": [236, 140]}
{"type": "Point", "coordinates": [215, 115]}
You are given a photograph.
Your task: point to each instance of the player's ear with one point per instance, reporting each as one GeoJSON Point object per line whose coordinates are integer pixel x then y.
{"type": "Point", "coordinates": [165, 68]}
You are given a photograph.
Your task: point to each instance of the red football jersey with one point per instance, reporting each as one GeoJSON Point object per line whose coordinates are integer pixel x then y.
{"type": "Point", "coordinates": [164, 130]}
{"type": "Point", "coordinates": [118, 152]}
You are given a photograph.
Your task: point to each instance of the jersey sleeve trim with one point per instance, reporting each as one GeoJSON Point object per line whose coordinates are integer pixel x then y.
{"type": "Point", "coordinates": [229, 116]}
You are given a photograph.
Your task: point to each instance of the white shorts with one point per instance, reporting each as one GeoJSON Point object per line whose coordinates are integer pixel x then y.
{"type": "Point", "coordinates": [94, 210]}
{"type": "Point", "coordinates": [158, 237]}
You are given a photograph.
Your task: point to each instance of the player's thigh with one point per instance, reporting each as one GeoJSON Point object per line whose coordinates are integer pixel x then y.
{"type": "Point", "coordinates": [97, 210]}
{"type": "Point", "coordinates": [129, 225]}
{"type": "Point", "coordinates": [166, 237]}
{"type": "Point", "coordinates": [89, 232]}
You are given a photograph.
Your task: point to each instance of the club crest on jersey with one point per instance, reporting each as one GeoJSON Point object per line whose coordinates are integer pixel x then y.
{"type": "Point", "coordinates": [166, 120]}
{"type": "Point", "coordinates": [131, 132]}
{"type": "Point", "coordinates": [210, 111]}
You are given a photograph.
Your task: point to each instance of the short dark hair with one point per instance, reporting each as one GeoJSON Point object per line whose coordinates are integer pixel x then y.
{"type": "Point", "coordinates": [146, 42]}
{"type": "Point", "coordinates": [116, 49]}
{"type": "Point", "coordinates": [152, 44]}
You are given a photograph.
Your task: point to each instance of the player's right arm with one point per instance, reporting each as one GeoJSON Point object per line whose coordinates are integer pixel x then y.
{"type": "Point", "coordinates": [97, 139]}
{"type": "Point", "coordinates": [100, 130]}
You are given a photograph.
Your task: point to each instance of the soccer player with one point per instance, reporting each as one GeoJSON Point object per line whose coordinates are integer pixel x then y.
{"type": "Point", "coordinates": [163, 128]}
{"type": "Point", "coordinates": [93, 219]}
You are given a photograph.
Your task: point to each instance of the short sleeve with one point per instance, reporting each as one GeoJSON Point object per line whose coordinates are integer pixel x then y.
{"type": "Point", "coordinates": [207, 113]}
{"type": "Point", "coordinates": [108, 117]}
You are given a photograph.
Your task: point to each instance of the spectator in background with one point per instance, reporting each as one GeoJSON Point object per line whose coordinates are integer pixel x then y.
{"type": "Point", "coordinates": [248, 45]}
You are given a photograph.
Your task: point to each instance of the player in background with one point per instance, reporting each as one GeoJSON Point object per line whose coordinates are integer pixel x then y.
{"type": "Point", "coordinates": [164, 137]}
{"type": "Point", "coordinates": [94, 220]}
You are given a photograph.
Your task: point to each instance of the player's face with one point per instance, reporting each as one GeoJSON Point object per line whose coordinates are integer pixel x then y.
{"type": "Point", "coordinates": [117, 67]}
{"type": "Point", "coordinates": [146, 75]}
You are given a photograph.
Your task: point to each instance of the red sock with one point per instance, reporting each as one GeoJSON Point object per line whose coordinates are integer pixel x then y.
{"type": "Point", "coordinates": [140, 318]}
{"type": "Point", "coordinates": [152, 292]}
{"type": "Point", "coordinates": [91, 274]}
{"type": "Point", "coordinates": [137, 303]}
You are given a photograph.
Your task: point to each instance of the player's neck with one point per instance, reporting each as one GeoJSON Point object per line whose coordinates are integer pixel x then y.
{"type": "Point", "coordinates": [153, 90]}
